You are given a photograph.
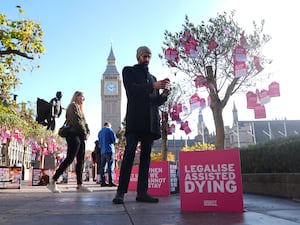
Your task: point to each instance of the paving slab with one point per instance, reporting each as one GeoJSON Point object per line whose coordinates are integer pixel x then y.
{"type": "Point", "coordinates": [36, 205]}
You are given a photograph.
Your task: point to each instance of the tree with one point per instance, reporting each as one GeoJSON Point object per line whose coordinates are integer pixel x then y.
{"type": "Point", "coordinates": [19, 39]}
{"type": "Point", "coordinates": [206, 52]}
{"type": "Point", "coordinates": [21, 126]}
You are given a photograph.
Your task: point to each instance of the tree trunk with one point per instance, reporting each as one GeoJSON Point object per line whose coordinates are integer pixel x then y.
{"type": "Point", "coordinates": [217, 110]}
{"type": "Point", "coordinates": [6, 152]}
{"type": "Point", "coordinates": [164, 136]}
{"type": "Point", "coordinates": [219, 125]}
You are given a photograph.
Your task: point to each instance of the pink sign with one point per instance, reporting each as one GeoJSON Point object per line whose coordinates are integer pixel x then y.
{"type": "Point", "coordinates": [185, 127]}
{"type": "Point", "coordinates": [133, 178]}
{"type": "Point", "coordinates": [240, 69]}
{"type": "Point", "coordinates": [239, 61]}
{"type": "Point", "coordinates": [195, 101]}
{"type": "Point", "coordinates": [240, 54]}
{"type": "Point", "coordinates": [260, 112]}
{"type": "Point", "coordinates": [251, 100]}
{"type": "Point", "coordinates": [212, 44]}
{"type": "Point", "coordinates": [263, 96]}
{"type": "Point", "coordinates": [158, 181]}
{"type": "Point", "coordinates": [274, 89]}
{"type": "Point", "coordinates": [172, 54]}
{"type": "Point", "coordinates": [211, 181]}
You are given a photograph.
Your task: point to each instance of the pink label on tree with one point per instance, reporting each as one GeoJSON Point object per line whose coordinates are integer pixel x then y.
{"type": "Point", "coordinates": [263, 97]}
{"type": "Point", "coordinates": [194, 101]}
{"type": "Point", "coordinates": [274, 89]}
{"type": "Point", "coordinates": [260, 112]}
{"type": "Point", "coordinates": [251, 100]}
{"type": "Point", "coordinates": [240, 69]}
{"type": "Point", "coordinates": [240, 54]}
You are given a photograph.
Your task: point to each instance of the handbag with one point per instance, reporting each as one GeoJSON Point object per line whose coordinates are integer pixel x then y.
{"type": "Point", "coordinates": [64, 130]}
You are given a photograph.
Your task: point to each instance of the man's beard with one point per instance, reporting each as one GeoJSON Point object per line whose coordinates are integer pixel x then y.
{"type": "Point", "coordinates": [145, 64]}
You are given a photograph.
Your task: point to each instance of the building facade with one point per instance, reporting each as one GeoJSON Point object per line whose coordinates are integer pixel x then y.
{"type": "Point", "coordinates": [252, 132]}
{"type": "Point", "coordinates": [111, 93]}
{"type": "Point", "coordinates": [241, 134]}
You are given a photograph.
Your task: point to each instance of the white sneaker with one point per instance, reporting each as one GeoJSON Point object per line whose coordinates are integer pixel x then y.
{"type": "Point", "coordinates": [53, 188]}
{"type": "Point", "coordinates": [83, 189]}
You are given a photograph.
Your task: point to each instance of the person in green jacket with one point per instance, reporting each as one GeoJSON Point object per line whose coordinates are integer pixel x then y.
{"type": "Point", "coordinates": [78, 133]}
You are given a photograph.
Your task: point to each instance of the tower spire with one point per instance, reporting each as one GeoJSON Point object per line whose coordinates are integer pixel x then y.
{"type": "Point", "coordinates": [111, 63]}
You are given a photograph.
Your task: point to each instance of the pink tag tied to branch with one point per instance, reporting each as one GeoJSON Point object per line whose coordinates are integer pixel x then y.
{"type": "Point", "coordinates": [260, 112]}
{"type": "Point", "coordinates": [239, 61]}
{"type": "Point", "coordinates": [274, 89]}
{"type": "Point", "coordinates": [172, 54]}
{"type": "Point", "coordinates": [194, 101]}
{"type": "Point", "coordinates": [263, 96]}
{"type": "Point", "coordinates": [257, 64]}
{"type": "Point", "coordinates": [212, 45]}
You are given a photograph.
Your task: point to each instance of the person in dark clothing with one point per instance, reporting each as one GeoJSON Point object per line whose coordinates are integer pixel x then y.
{"type": "Point", "coordinates": [56, 110]}
{"type": "Point", "coordinates": [107, 138]}
{"type": "Point", "coordinates": [142, 123]}
{"type": "Point", "coordinates": [96, 157]}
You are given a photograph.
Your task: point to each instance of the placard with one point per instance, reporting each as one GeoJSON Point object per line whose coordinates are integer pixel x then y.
{"type": "Point", "coordinates": [158, 180]}
{"type": "Point", "coordinates": [10, 177]}
{"type": "Point", "coordinates": [40, 177]}
{"type": "Point", "coordinates": [133, 178]}
{"type": "Point", "coordinates": [211, 181]}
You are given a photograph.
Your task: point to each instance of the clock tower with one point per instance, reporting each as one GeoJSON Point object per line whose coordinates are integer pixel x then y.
{"type": "Point", "coordinates": [111, 94]}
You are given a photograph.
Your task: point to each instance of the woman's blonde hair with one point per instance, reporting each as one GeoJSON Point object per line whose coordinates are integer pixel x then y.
{"type": "Point", "coordinates": [74, 98]}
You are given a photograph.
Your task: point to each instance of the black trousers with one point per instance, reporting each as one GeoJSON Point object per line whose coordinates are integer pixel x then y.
{"type": "Point", "coordinates": [106, 160]}
{"type": "Point", "coordinates": [132, 140]}
{"type": "Point", "coordinates": [96, 166]}
{"type": "Point", "coordinates": [76, 148]}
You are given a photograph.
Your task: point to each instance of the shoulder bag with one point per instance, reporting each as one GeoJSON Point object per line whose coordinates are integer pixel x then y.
{"type": "Point", "coordinates": [64, 130]}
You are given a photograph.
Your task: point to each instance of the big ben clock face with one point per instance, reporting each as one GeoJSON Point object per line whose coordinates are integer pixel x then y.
{"type": "Point", "coordinates": [110, 88]}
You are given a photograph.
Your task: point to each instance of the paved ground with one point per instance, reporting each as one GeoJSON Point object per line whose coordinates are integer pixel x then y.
{"type": "Point", "coordinates": [38, 206]}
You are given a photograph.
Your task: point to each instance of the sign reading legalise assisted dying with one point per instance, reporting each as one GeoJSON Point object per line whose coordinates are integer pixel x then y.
{"type": "Point", "coordinates": [211, 181]}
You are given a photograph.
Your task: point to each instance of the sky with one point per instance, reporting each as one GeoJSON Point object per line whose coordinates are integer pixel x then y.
{"type": "Point", "coordinates": [78, 36]}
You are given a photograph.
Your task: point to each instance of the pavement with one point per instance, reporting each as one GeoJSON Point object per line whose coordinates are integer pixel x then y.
{"type": "Point", "coordinates": [36, 205]}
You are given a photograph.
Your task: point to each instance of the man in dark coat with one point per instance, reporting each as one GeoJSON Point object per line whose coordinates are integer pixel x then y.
{"type": "Point", "coordinates": [142, 123]}
{"type": "Point", "coordinates": [56, 110]}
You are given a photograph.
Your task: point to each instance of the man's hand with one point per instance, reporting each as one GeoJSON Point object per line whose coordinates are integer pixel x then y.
{"type": "Point", "coordinates": [165, 93]}
{"type": "Point", "coordinates": [162, 84]}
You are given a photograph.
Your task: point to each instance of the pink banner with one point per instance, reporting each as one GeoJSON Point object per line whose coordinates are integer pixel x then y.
{"type": "Point", "coordinates": [211, 181]}
{"type": "Point", "coordinates": [159, 178]}
{"type": "Point", "coordinates": [133, 178]}
{"type": "Point", "coordinates": [158, 181]}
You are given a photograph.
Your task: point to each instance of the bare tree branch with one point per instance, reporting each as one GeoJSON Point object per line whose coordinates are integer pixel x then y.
{"type": "Point", "coordinates": [17, 52]}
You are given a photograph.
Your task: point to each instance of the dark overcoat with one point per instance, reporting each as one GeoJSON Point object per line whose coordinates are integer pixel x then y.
{"type": "Point", "coordinates": [143, 101]}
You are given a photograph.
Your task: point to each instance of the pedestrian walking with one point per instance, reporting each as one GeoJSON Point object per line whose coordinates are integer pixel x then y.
{"type": "Point", "coordinates": [76, 137]}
